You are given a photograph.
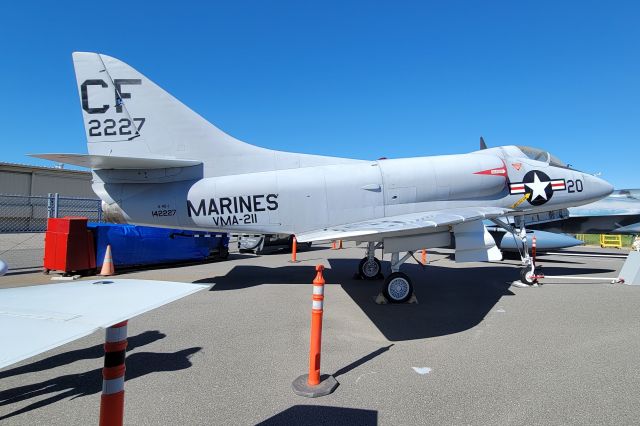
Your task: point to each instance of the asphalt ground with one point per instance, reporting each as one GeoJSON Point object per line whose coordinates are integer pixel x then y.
{"type": "Point", "coordinates": [473, 350]}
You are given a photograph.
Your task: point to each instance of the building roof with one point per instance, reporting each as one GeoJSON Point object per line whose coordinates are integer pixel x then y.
{"type": "Point", "coordinates": [28, 168]}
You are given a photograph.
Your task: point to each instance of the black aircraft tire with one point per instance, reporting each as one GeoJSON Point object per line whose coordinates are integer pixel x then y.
{"type": "Point", "coordinates": [524, 276]}
{"type": "Point", "coordinates": [369, 271]}
{"type": "Point", "coordinates": [398, 288]}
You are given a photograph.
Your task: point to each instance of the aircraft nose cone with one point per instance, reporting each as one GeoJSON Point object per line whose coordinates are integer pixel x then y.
{"type": "Point", "coordinates": [598, 188]}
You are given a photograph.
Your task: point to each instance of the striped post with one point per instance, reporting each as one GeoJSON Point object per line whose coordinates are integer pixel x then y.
{"type": "Point", "coordinates": [313, 385]}
{"type": "Point", "coordinates": [112, 400]}
{"type": "Point", "coordinates": [294, 250]}
{"type": "Point", "coordinates": [533, 248]}
{"type": "Point", "coordinates": [340, 244]}
{"type": "Point", "coordinates": [333, 245]}
{"type": "Point", "coordinates": [316, 327]}
{"type": "Point", "coordinates": [424, 256]}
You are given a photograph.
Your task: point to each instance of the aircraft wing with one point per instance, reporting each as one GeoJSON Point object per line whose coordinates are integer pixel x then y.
{"type": "Point", "coordinates": [402, 225]}
{"type": "Point", "coordinates": [37, 318]}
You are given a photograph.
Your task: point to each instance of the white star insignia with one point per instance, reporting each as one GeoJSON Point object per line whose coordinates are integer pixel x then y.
{"type": "Point", "coordinates": [538, 187]}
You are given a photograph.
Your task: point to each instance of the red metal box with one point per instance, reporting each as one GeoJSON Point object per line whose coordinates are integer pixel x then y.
{"type": "Point", "coordinates": [69, 245]}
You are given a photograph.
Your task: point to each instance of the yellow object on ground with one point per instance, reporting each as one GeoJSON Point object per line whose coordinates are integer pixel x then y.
{"type": "Point", "coordinates": [610, 241]}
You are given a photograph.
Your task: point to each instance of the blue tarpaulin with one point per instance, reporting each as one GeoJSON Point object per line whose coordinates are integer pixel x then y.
{"type": "Point", "coordinates": [133, 245]}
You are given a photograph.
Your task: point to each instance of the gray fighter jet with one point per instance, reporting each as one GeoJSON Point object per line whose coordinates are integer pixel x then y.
{"type": "Point", "coordinates": [156, 162]}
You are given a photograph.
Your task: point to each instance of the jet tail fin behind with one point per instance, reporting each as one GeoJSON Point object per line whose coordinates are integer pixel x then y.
{"type": "Point", "coordinates": [483, 145]}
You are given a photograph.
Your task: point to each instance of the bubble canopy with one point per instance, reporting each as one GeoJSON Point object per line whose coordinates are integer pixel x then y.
{"type": "Point", "coordinates": [541, 155]}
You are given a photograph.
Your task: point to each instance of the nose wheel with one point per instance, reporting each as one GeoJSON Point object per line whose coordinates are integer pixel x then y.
{"type": "Point", "coordinates": [527, 276]}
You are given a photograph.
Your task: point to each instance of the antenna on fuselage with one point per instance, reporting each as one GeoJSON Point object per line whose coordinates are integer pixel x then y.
{"type": "Point", "coordinates": [482, 144]}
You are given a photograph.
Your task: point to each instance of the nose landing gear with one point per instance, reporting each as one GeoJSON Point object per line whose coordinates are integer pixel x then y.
{"type": "Point", "coordinates": [529, 273]}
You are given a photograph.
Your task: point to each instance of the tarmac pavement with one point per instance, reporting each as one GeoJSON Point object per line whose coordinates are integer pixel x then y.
{"type": "Point", "coordinates": [473, 350]}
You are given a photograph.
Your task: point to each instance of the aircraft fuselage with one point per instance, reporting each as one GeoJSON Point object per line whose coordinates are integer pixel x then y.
{"type": "Point", "coordinates": [294, 200]}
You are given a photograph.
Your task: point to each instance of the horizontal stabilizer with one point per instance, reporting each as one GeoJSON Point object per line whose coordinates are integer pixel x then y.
{"type": "Point", "coordinates": [110, 162]}
{"type": "Point", "coordinates": [37, 318]}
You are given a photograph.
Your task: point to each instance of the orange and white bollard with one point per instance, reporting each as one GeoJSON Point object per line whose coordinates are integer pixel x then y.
{"type": "Point", "coordinates": [340, 247]}
{"type": "Point", "coordinates": [313, 384]}
{"type": "Point", "coordinates": [112, 399]}
{"type": "Point", "coordinates": [533, 249]}
{"type": "Point", "coordinates": [333, 245]}
{"type": "Point", "coordinates": [424, 256]}
{"type": "Point", "coordinates": [317, 309]}
{"type": "Point", "coordinates": [294, 250]}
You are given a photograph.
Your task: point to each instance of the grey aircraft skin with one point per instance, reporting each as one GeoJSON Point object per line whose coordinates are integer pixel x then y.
{"type": "Point", "coordinates": [155, 162]}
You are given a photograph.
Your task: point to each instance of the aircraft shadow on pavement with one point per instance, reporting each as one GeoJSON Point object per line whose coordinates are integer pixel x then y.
{"type": "Point", "coordinates": [90, 382]}
{"type": "Point", "coordinates": [450, 300]}
{"type": "Point", "coordinates": [322, 414]}
{"type": "Point", "coordinates": [245, 276]}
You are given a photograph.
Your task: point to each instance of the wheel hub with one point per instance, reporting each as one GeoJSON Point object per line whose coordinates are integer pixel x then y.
{"type": "Point", "coordinates": [398, 288]}
{"type": "Point", "coordinates": [370, 268]}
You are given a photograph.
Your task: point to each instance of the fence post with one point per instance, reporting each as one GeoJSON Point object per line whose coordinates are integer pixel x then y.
{"type": "Point", "coordinates": [49, 205]}
{"type": "Point", "coordinates": [56, 199]}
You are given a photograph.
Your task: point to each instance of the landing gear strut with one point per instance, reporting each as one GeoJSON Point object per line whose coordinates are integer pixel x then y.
{"type": "Point", "coordinates": [528, 272]}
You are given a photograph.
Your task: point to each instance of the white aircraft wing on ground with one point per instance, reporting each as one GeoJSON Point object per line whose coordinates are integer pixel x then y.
{"type": "Point", "coordinates": [37, 318]}
{"type": "Point", "coordinates": [405, 224]}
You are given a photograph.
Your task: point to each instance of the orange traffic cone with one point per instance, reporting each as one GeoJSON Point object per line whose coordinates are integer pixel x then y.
{"type": "Point", "coordinates": [107, 263]}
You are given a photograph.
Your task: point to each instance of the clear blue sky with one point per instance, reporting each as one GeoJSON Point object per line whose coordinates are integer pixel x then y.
{"type": "Point", "coordinates": [356, 79]}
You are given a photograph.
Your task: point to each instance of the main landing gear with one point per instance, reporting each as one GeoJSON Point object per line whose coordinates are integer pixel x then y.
{"type": "Point", "coordinates": [370, 267]}
{"type": "Point", "coordinates": [397, 287]}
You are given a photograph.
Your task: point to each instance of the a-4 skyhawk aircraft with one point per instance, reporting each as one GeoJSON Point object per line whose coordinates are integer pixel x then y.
{"type": "Point", "coordinates": [156, 162]}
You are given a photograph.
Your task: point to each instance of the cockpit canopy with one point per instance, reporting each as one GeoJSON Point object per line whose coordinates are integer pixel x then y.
{"type": "Point", "coordinates": [540, 155]}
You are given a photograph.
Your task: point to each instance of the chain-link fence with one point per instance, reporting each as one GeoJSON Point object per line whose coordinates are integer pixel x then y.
{"type": "Point", "coordinates": [23, 213]}
{"type": "Point", "coordinates": [23, 220]}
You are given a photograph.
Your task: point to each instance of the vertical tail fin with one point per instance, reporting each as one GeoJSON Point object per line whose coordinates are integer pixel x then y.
{"type": "Point", "coordinates": [127, 115]}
